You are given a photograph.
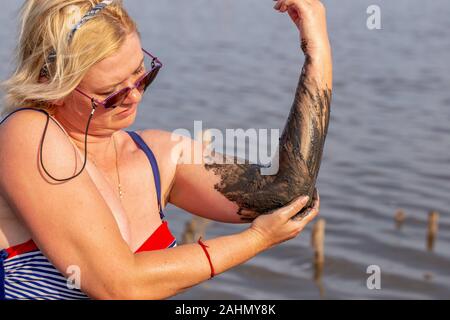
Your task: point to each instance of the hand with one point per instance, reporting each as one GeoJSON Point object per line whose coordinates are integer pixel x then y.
{"type": "Point", "coordinates": [310, 18]}
{"type": "Point", "coordinates": [280, 226]}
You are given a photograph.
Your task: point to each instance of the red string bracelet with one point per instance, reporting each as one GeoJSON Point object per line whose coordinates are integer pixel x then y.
{"type": "Point", "coordinates": [204, 246]}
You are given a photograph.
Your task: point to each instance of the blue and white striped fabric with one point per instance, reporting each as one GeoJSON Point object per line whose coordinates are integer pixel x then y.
{"type": "Point", "coordinates": [30, 276]}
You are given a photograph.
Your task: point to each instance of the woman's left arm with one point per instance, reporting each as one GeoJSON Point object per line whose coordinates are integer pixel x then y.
{"type": "Point", "coordinates": [240, 192]}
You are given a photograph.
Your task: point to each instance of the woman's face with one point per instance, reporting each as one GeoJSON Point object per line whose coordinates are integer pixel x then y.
{"type": "Point", "coordinates": [110, 75]}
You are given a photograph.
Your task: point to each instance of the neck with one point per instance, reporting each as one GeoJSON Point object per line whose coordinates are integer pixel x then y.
{"type": "Point", "coordinates": [100, 143]}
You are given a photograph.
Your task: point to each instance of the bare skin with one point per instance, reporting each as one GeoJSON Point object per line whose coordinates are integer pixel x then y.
{"type": "Point", "coordinates": [98, 232]}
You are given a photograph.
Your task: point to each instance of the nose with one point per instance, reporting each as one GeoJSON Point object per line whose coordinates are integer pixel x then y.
{"type": "Point", "coordinates": [133, 97]}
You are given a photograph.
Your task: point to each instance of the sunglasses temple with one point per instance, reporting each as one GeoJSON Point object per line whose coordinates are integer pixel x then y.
{"type": "Point", "coordinates": [94, 102]}
{"type": "Point", "coordinates": [154, 59]}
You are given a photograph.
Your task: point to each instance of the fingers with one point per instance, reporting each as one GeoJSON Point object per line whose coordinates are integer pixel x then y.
{"type": "Point", "coordinates": [283, 5]}
{"type": "Point", "coordinates": [294, 207]}
{"type": "Point", "coordinates": [312, 212]}
{"type": "Point", "coordinates": [316, 198]}
{"type": "Point", "coordinates": [287, 3]}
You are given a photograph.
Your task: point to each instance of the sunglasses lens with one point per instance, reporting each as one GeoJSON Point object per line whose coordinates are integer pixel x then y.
{"type": "Point", "coordinates": [147, 80]}
{"type": "Point", "coordinates": [117, 99]}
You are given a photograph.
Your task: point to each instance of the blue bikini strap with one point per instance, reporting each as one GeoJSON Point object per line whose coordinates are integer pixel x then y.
{"type": "Point", "coordinates": [151, 157]}
{"type": "Point", "coordinates": [3, 256]}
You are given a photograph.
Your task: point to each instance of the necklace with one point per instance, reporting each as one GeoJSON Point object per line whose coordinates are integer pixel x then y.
{"type": "Point", "coordinates": [121, 193]}
{"type": "Point", "coordinates": [117, 170]}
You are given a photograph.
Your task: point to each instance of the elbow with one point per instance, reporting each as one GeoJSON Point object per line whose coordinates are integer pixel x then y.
{"type": "Point", "coordinates": [127, 289]}
{"type": "Point", "coordinates": [128, 277]}
{"type": "Point", "coordinates": [116, 284]}
{"type": "Point", "coordinates": [113, 290]}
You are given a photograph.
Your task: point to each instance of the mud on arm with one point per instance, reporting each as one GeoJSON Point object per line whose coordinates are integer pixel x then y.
{"type": "Point", "coordinates": [300, 152]}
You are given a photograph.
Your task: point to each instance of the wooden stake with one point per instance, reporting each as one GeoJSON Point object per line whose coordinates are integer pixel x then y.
{"type": "Point", "coordinates": [317, 241]}
{"type": "Point", "coordinates": [318, 244]}
{"type": "Point", "coordinates": [195, 229]}
{"type": "Point", "coordinates": [433, 224]}
{"type": "Point", "coordinates": [400, 217]}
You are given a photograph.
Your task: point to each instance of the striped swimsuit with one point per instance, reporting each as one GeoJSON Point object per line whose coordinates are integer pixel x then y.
{"type": "Point", "coordinates": [25, 273]}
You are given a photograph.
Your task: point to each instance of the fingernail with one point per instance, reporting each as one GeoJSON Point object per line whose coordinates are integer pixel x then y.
{"type": "Point", "coordinates": [305, 199]}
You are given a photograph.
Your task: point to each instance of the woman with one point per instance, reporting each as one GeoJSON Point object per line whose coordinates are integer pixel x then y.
{"type": "Point", "coordinates": [89, 194]}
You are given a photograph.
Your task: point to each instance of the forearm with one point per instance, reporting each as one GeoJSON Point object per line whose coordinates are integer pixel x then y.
{"type": "Point", "coordinates": [303, 139]}
{"type": "Point", "coordinates": [300, 150]}
{"type": "Point", "coordinates": [165, 273]}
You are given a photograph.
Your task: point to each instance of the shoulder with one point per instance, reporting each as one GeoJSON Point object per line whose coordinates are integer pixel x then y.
{"type": "Point", "coordinates": [168, 148]}
{"type": "Point", "coordinates": [22, 136]}
{"type": "Point", "coordinates": [160, 137]}
{"type": "Point", "coordinates": [165, 143]}
{"type": "Point", "coordinates": [178, 148]}
{"type": "Point", "coordinates": [28, 126]}
{"type": "Point", "coordinates": [24, 117]}
{"type": "Point", "coordinates": [25, 123]}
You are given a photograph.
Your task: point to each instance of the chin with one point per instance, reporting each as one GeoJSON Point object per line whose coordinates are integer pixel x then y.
{"type": "Point", "coordinates": [124, 123]}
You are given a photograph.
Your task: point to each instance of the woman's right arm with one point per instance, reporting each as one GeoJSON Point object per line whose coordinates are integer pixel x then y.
{"type": "Point", "coordinates": [73, 226]}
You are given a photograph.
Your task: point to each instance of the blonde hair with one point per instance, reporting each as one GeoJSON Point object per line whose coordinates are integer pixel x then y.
{"type": "Point", "coordinates": [45, 26]}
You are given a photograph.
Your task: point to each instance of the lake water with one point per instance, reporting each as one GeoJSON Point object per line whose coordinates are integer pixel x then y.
{"type": "Point", "coordinates": [235, 64]}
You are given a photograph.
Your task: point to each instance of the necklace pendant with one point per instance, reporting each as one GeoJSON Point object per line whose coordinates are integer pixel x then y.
{"type": "Point", "coordinates": [120, 192]}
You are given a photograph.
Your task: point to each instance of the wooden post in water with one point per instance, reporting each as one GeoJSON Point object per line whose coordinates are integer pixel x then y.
{"type": "Point", "coordinates": [317, 241]}
{"type": "Point", "coordinates": [195, 229]}
{"type": "Point", "coordinates": [433, 224]}
{"type": "Point", "coordinates": [318, 244]}
{"type": "Point", "coordinates": [400, 217]}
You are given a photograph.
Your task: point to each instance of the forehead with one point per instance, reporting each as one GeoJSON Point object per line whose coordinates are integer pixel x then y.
{"type": "Point", "coordinates": [117, 67]}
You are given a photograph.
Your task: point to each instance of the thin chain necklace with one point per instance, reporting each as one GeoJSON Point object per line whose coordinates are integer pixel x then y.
{"type": "Point", "coordinates": [117, 170]}
{"type": "Point", "coordinates": [119, 188]}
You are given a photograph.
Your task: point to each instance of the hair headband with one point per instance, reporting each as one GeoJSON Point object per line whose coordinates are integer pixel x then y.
{"type": "Point", "coordinates": [88, 16]}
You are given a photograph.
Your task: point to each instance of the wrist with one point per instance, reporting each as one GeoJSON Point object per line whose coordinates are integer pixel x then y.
{"type": "Point", "coordinates": [319, 64]}
{"type": "Point", "coordinates": [318, 54]}
{"type": "Point", "coordinates": [258, 241]}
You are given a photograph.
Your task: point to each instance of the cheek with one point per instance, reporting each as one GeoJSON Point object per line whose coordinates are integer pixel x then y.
{"type": "Point", "coordinates": [79, 104]}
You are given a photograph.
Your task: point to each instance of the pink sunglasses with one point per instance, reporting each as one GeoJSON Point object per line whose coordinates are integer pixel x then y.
{"type": "Point", "coordinates": [117, 98]}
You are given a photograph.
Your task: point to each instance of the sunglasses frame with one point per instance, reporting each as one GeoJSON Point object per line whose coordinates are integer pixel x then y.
{"type": "Point", "coordinates": [156, 65]}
